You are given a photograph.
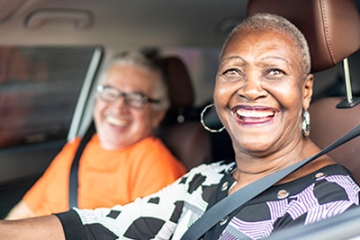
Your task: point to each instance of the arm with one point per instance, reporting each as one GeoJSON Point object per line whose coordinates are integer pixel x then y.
{"type": "Point", "coordinates": [21, 210]}
{"type": "Point", "coordinates": [141, 219]}
{"type": "Point", "coordinates": [161, 215]}
{"type": "Point", "coordinates": [33, 228]}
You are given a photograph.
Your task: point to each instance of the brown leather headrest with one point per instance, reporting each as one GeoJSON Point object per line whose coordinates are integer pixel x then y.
{"type": "Point", "coordinates": [331, 27]}
{"type": "Point", "coordinates": [180, 85]}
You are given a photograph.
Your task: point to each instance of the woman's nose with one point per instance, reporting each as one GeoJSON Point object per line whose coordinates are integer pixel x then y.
{"type": "Point", "coordinates": [252, 88]}
{"type": "Point", "coordinates": [119, 103]}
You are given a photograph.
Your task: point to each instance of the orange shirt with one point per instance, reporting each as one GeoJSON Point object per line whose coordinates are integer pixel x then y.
{"type": "Point", "coordinates": [106, 178]}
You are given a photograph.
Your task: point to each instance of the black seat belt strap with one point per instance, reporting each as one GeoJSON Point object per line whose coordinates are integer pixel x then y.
{"type": "Point", "coordinates": [235, 200]}
{"type": "Point", "coordinates": [74, 180]}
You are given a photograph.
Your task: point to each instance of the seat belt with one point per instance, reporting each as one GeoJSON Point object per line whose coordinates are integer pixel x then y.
{"type": "Point", "coordinates": [74, 179]}
{"type": "Point", "coordinates": [238, 198]}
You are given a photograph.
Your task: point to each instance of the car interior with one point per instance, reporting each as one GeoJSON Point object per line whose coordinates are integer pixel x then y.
{"type": "Point", "coordinates": [51, 53]}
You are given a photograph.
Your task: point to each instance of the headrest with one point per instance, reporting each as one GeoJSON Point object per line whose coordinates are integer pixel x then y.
{"type": "Point", "coordinates": [179, 83]}
{"type": "Point", "coordinates": [331, 27]}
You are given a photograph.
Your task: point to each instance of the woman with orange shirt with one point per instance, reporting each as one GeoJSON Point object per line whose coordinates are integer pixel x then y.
{"type": "Point", "coordinates": [123, 160]}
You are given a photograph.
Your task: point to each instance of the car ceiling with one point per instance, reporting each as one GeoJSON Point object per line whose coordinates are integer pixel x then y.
{"type": "Point", "coordinates": [114, 23]}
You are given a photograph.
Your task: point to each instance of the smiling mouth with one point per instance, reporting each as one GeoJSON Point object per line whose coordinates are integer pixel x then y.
{"type": "Point", "coordinates": [254, 115]}
{"type": "Point", "coordinates": [116, 121]}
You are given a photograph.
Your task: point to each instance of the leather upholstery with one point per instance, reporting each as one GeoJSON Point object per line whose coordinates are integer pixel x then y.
{"type": "Point", "coordinates": [181, 130]}
{"type": "Point", "coordinates": [331, 27]}
{"type": "Point", "coordinates": [328, 123]}
{"type": "Point", "coordinates": [179, 83]}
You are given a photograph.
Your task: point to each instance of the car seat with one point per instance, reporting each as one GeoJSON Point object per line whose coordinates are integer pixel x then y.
{"type": "Point", "coordinates": [181, 130]}
{"type": "Point", "coordinates": [332, 29]}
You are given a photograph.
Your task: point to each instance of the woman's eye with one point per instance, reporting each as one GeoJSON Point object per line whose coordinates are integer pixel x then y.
{"type": "Point", "coordinates": [232, 72]}
{"type": "Point", "coordinates": [275, 72]}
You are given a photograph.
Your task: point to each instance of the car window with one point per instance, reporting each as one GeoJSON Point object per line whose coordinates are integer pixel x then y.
{"type": "Point", "coordinates": [39, 91]}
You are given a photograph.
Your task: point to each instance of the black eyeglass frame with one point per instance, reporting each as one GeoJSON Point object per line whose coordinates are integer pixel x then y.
{"type": "Point", "coordinates": [127, 97]}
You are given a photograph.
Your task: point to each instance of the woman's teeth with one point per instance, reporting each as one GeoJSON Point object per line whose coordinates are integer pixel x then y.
{"type": "Point", "coordinates": [255, 113]}
{"type": "Point", "coordinates": [116, 121]}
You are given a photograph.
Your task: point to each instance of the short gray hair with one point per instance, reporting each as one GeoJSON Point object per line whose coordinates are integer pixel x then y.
{"type": "Point", "coordinates": [267, 21]}
{"type": "Point", "coordinates": [141, 61]}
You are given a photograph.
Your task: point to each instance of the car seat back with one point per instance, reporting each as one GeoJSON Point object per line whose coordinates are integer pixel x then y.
{"type": "Point", "coordinates": [181, 130]}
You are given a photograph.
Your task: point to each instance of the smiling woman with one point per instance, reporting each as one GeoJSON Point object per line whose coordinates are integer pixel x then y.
{"type": "Point", "coordinates": [261, 92]}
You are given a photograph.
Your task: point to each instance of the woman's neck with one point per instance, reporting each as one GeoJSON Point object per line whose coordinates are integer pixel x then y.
{"type": "Point", "coordinates": [250, 169]}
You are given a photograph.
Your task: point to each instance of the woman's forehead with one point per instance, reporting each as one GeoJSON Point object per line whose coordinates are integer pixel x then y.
{"type": "Point", "coordinates": [264, 42]}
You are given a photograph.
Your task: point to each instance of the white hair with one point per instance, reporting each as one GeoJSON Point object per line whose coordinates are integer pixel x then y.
{"type": "Point", "coordinates": [141, 61]}
{"type": "Point", "coordinates": [267, 21]}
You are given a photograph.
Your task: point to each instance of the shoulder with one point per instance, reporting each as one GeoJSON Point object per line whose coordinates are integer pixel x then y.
{"type": "Point", "coordinates": [329, 184]}
{"type": "Point", "coordinates": [74, 141]}
{"type": "Point", "coordinates": [335, 183]}
{"type": "Point", "coordinates": [215, 167]}
{"type": "Point", "coordinates": [328, 179]}
{"type": "Point", "coordinates": [334, 175]}
{"type": "Point", "coordinates": [209, 174]}
{"type": "Point", "coordinates": [65, 156]}
{"type": "Point", "coordinates": [324, 193]}
{"type": "Point", "coordinates": [72, 144]}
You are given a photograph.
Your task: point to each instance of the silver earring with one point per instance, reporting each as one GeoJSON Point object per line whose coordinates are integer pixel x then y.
{"type": "Point", "coordinates": [203, 123]}
{"type": "Point", "coordinates": [306, 123]}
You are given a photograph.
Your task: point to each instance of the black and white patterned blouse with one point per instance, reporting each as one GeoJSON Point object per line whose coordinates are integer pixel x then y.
{"type": "Point", "coordinates": [168, 213]}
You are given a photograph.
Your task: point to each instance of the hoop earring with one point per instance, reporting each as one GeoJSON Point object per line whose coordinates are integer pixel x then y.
{"type": "Point", "coordinates": [203, 123]}
{"type": "Point", "coordinates": [306, 123]}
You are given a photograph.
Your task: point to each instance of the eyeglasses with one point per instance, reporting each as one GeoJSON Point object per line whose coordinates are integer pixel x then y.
{"type": "Point", "coordinates": [133, 99]}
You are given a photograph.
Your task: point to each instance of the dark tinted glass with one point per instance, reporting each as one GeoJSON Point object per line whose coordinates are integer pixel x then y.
{"type": "Point", "coordinates": [39, 88]}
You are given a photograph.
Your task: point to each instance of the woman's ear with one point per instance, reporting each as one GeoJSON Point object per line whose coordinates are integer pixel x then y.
{"type": "Point", "coordinates": [308, 90]}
